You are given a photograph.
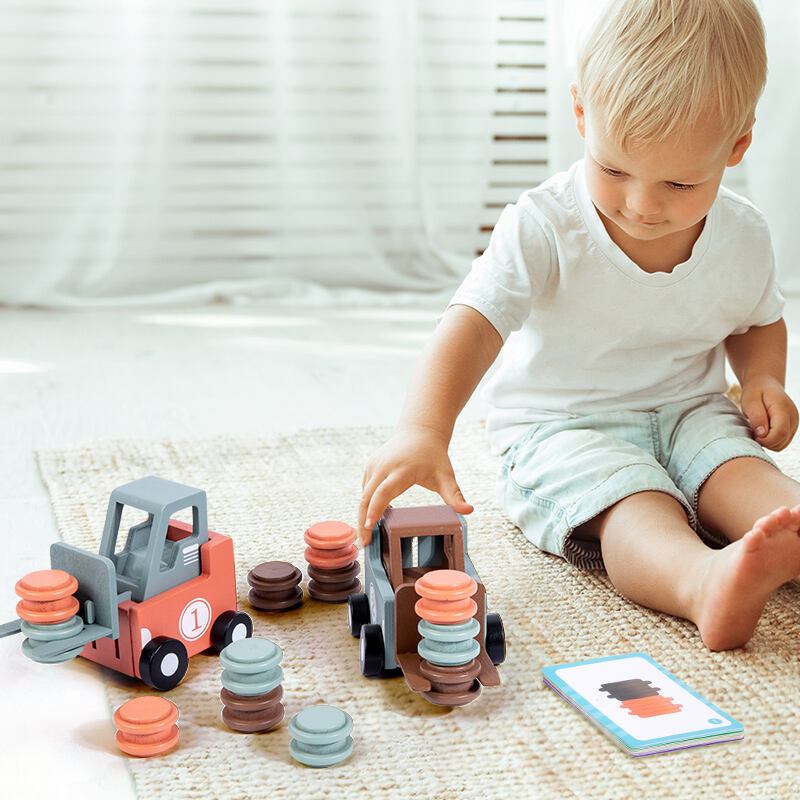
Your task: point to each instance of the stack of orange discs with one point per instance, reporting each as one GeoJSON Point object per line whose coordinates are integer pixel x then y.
{"type": "Point", "coordinates": [146, 726]}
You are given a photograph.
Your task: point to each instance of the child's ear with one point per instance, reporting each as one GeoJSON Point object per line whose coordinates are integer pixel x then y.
{"type": "Point", "coordinates": [739, 149]}
{"type": "Point", "coordinates": [577, 109]}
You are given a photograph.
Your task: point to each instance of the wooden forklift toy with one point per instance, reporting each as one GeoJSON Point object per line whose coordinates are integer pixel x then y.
{"type": "Point", "coordinates": [167, 594]}
{"type": "Point", "coordinates": [386, 617]}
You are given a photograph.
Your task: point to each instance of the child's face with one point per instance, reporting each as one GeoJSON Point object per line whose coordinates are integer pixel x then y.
{"type": "Point", "coordinates": [655, 190]}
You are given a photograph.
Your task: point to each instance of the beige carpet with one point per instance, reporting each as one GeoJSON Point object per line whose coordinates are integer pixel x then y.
{"type": "Point", "coordinates": [515, 741]}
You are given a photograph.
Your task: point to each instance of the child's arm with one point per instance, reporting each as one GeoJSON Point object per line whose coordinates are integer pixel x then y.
{"type": "Point", "coordinates": [462, 348]}
{"type": "Point", "coordinates": [758, 357]}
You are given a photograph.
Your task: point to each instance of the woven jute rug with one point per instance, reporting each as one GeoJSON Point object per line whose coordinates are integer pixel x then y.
{"type": "Point", "coordinates": [516, 740]}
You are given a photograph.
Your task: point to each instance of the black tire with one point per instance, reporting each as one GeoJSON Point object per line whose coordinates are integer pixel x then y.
{"type": "Point", "coordinates": [371, 653]}
{"type": "Point", "coordinates": [163, 663]}
{"type": "Point", "coordinates": [228, 627]}
{"type": "Point", "coordinates": [357, 613]}
{"type": "Point", "coordinates": [495, 639]}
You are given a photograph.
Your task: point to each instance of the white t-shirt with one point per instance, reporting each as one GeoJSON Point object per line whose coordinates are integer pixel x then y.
{"type": "Point", "coordinates": [586, 330]}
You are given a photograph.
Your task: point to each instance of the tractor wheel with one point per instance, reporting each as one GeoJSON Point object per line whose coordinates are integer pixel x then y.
{"type": "Point", "coordinates": [228, 627]}
{"type": "Point", "coordinates": [163, 663]}
{"type": "Point", "coordinates": [357, 613]}
{"type": "Point", "coordinates": [371, 653]}
{"type": "Point", "coordinates": [495, 639]}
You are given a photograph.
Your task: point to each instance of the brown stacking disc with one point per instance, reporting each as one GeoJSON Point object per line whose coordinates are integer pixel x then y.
{"type": "Point", "coordinates": [334, 585]}
{"type": "Point", "coordinates": [260, 712]}
{"type": "Point", "coordinates": [451, 686]}
{"type": "Point", "coordinates": [275, 586]}
{"type": "Point", "coordinates": [328, 594]}
{"type": "Point", "coordinates": [276, 601]}
{"type": "Point", "coordinates": [335, 576]}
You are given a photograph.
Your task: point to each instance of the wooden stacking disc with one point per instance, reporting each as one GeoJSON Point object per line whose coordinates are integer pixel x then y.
{"type": "Point", "coordinates": [321, 736]}
{"type": "Point", "coordinates": [47, 597]}
{"type": "Point", "coordinates": [146, 726]}
{"type": "Point", "coordinates": [275, 586]}
{"type": "Point", "coordinates": [329, 535]}
{"type": "Point", "coordinates": [451, 686]}
{"type": "Point", "coordinates": [333, 558]}
{"type": "Point", "coordinates": [334, 585]}
{"type": "Point", "coordinates": [446, 596]}
{"type": "Point", "coordinates": [254, 713]}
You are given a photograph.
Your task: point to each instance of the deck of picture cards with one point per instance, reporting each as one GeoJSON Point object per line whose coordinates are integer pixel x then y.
{"type": "Point", "coordinates": [639, 705]}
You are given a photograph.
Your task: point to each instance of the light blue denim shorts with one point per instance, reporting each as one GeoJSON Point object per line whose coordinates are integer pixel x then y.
{"type": "Point", "coordinates": [562, 473]}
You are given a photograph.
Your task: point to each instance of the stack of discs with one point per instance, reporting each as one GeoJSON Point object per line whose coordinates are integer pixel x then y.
{"type": "Point", "coordinates": [146, 726]}
{"type": "Point", "coordinates": [448, 648]}
{"type": "Point", "coordinates": [332, 556]}
{"type": "Point", "coordinates": [321, 736]}
{"type": "Point", "coordinates": [48, 612]}
{"type": "Point", "coordinates": [251, 681]}
{"type": "Point", "coordinates": [275, 586]}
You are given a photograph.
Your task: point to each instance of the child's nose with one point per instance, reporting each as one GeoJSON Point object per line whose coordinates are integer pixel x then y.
{"type": "Point", "coordinates": [642, 202]}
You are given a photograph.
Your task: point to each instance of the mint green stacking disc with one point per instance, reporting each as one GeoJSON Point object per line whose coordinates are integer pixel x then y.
{"type": "Point", "coordinates": [251, 666]}
{"type": "Point", "coordinates": [449, 645]}
{"type": "Point", "coordinates": [39, 634]}
{"type": "Point", "coordinates": [321, 736]}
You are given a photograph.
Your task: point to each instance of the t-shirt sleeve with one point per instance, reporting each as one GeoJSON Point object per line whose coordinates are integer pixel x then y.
{"type": "Point", "coordinates": [513, 269]}
{"type": "Point", "coordinates": [769, 307]}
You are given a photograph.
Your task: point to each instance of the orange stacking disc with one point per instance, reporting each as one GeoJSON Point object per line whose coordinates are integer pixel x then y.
{"type": "Point", "coordinates": [331, 559]}
{"type": "Point", "coordinates": [146, 726]}
{"type": "Point", "coordinates": [47, 597]}
{"type": "Point", "coordinates": [329, 535]}
{"type": "Point", "coordinates": [446, 597]}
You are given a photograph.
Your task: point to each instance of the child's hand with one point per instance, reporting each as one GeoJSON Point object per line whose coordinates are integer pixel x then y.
{"type": "Point", "coordinates": [770, 411]}
{"type": "Point", "coordinates": [413, 456]}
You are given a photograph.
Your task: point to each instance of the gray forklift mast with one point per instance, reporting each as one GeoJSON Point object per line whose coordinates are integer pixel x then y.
{"type": "Point", "coordinates": [149, 563]}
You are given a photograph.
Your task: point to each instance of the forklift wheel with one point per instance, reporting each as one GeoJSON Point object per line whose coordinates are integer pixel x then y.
{"type": "Point", "coordinates": [357, 613]}
{"type": "Point", "coordinates": [163, 663]}
{"type": "Point", "coordinates": [495, 639]}
{"type": "Point", "coordinates": [230, 626]}
{"type": "Point", "coordinates": [371, 651]}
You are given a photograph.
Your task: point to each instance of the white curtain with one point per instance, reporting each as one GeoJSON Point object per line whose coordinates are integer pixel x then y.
{"type": "Point", "coordinates": [773, 161]}
{"type": "Point", "coordinates": [194, 149]}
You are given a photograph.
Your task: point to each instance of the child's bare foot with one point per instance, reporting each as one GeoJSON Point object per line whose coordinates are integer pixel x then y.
{"type": "Point", "coordinates": [740, 578]}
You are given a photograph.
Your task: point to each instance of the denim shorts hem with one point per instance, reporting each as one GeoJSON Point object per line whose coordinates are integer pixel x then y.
{"type": "Point", "coordinates": [705, 463]}
{"type": "Point", "coordinates": [586, 553]}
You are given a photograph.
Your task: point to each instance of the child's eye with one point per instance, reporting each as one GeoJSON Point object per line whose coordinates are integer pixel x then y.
{"type": "Point", "coordinates": [682, 187]}
{"type": "Point", "coordinates": [615, 172]}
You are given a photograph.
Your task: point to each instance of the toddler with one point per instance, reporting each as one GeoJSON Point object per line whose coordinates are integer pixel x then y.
{"type": "Point", "coordinates": [615, 291]}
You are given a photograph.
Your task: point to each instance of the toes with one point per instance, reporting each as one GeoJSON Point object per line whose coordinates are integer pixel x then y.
{"type": "Point", "coordinates": [754, 538]}
{"type": "Point", "coordinates": [779, 518]}
{"type": "Point", "coordinates": [795, 512]}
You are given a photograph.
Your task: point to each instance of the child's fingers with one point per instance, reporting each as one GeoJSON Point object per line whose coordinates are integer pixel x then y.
{"type": "Point", "coordinates": [450, 492]}
{"type": "Point", "coordinates": [779, 430]}
{"type": "Point", "coordinates": [757, 416]}
{"type": "Point", "coordinates": [378, 501]}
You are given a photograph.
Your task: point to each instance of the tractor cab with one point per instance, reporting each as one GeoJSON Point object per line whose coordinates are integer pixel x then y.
{"type": "Point", "coordinates": [159, 553]}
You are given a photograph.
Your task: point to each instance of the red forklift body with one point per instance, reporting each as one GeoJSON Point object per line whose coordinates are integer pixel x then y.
{"type": "Point", "coordinates": [185, 612]}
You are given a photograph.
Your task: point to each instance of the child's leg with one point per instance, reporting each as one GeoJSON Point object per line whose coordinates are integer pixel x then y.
{"type": "Point", "coordinates": [654, 557]}
{"type": "Point", "coordinates": [741, 491]}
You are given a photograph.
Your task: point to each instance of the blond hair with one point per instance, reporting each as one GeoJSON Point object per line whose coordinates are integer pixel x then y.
{"type": "Point", "coordinates": [655, 68]}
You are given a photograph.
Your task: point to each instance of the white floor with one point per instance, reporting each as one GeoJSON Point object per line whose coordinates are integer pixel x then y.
{"type": "Point", "coordinates": [72, 377]}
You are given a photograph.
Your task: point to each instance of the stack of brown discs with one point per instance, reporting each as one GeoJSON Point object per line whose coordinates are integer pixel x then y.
{"type": "Point", "coordinates": [332, 557]}
{"type": "Point", "coordinates": [275, 586]}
